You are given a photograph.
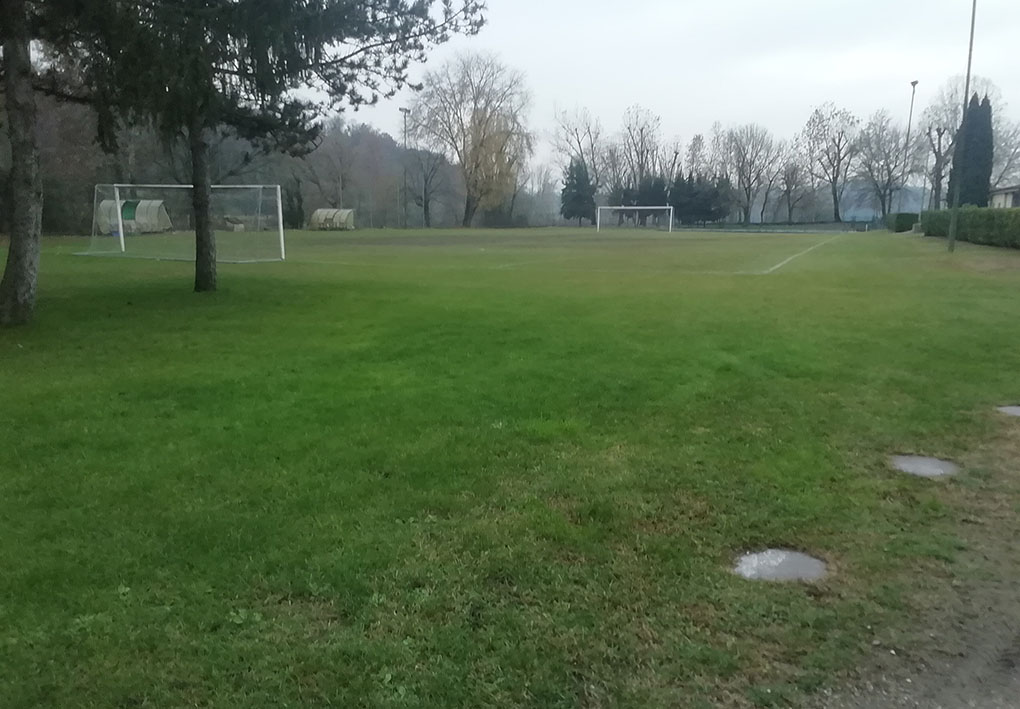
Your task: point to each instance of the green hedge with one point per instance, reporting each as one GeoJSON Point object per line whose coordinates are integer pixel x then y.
{"type": "Point", "coordinates": [901, 222]}
{"type": "Point", "coordinates": [994, 227]}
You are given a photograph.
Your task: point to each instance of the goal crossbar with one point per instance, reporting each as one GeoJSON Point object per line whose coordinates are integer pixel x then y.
{"type": "Point", "coordinates": [624, 208]}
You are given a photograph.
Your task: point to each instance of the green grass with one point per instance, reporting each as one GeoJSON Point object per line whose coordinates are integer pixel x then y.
{"type": "Point", "coordinates": [483, 468]}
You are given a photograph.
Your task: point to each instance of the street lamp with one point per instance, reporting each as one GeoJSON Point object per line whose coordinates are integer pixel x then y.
{"type": "Point", "coordinates": [406, 112]}
{"type": "Point", "coordinates": [906, 144]}
{"type": "Point", "coordinates": [954, 221]}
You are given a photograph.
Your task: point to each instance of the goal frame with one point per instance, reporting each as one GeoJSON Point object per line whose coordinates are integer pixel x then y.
{"type": "Point", "coordinates": [626, 208]}
{"type": "Point", "coordinates": [117, 187]}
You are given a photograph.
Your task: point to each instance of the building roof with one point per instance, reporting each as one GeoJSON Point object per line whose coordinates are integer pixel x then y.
{"type": "Point", "coordinates": [1006, 190]}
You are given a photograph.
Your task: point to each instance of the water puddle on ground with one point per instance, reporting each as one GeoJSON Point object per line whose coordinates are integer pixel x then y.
{"type": "Point", "coordinates": [1010, 410]}
{"type": "Point", "coordinates": [780, 565]}
{"type": "Point", "coordinates": [924, 467]}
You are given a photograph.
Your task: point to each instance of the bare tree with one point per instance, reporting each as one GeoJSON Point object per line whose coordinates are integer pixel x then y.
{"type": "Point", "coordinates": [696, 159]}
{"type": "Point", "coordinates": [881, 159]}
{"type": "Point", "coordinates": [326, 166]}
{"type": "Point", "coordinates": [641, 144]}
{"type": "Point", "coordinates": [615, 176]}
{"type": "Point", "coordinates": [794, 180]}
{"type": "Point", "coordinates": [719, 157]}
{"type": "Point", "coordinates": [669, 160]}
{"type": "Point", "coordinates": [229, 157]}
{"type": "Point", "coordinates": [1006, 170]}
{"type": "Point", "coordinates": [579, 137]}
{"type": "Point", "coordinates": [428, 178]}
{"type": "Point", "coordinates": [772, 177]}
{"type": "Point", "coordinates": [830, 139]}
{"type": "Point", "coordinates": [754, 155]}
{"type": "Point", "coordinates": [473, 109]}
{"type": "Point", "coordinates": [940, 142]}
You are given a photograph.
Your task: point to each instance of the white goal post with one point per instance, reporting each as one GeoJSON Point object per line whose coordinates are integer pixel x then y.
{"type": "Point", "coordinates": [156, 221]}
{"type": "Point", "coordinates": [625, 210]}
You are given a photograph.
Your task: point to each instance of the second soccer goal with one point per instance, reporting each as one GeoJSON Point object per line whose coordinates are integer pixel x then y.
{"type": "Point", "coordinates": [634, 217]}
{"type": "Point", "coordinates": [157, 222]}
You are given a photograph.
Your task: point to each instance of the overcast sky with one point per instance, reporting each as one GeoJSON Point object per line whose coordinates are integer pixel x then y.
{"type": "Point", "coordinates": [694, 62]}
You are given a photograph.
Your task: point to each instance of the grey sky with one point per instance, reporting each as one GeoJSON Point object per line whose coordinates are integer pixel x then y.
{"type": "Point", "coordinates": [736, 61]}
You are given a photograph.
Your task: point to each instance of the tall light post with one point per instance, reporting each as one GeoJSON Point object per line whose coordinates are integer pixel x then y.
{"type": "Point", "coordinates": [954, 221]}
{"type": "Point", "coordinates": [906, 144]}
{"type": "Point", "coordinates": [406, 112]}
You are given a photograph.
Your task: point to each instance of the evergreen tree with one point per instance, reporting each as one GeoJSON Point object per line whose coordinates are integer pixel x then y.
{"type": "Point", "coordinates": [972, 160]}
{"type": "Point", "coordinates": [653, 191]}
{"type": "Point", "coordinates": [578, 197]}
{"type": "Point", "coordinates": [683, 200]}
{"type": "Point", "coordinates": [701, 200]}
{"type": "Point", "coordinates": [984, 155]}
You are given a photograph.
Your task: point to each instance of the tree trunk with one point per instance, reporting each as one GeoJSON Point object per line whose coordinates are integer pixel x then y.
{"type": "Point", "coordinates": [201, 197]}
{"type": "Point", "coordinates": [836, 217]}
{"type": "Point", "coordinates": [938, 177]}
{"type": "Point", "coordinates": [470, 207]}
{"type": "Point", "coordinates": [426, 210]}
{"type": "Point", "coordinates": [18, 285]}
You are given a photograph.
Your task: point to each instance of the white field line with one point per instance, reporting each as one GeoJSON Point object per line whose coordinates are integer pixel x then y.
{"type": "Point", "coordinates": [793, 258]}
{"type": "Point", "coordinates": [531, 262]}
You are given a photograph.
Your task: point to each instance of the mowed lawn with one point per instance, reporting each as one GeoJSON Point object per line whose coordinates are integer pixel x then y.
{"type": "Point", "coordinates": [465, 469]}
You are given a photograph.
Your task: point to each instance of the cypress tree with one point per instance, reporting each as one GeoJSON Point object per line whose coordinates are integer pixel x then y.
{"type": "Point", "coordinates": [972, 159]}
{"type": "Point", "coordinates": [984, 155]}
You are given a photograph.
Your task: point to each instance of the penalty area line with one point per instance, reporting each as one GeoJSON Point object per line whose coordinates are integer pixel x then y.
{"type": "Point", "coordinates": [793, 258]}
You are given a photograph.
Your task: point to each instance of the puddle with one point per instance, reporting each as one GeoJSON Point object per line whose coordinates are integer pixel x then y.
{"type": "Point", "coordinates": [780, 565]}
{"type": "Point", "coordinates": [924, 467]}
{"type": "Point", "coordinates": [1010, 410]}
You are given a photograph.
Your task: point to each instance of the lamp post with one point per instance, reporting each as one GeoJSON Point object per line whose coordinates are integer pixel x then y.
{"type": "Point", "coordinates": [906, 144]}
{"type": "Point", "coordinates": [954, 221]}
{"type": "Point", "coordinates": [406, 112]}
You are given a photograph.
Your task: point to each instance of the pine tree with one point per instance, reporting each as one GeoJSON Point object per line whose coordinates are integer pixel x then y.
{"type": "Point", "coordinates": [972, 161]}
{"type": "Point", "coordinates": [578, 197]}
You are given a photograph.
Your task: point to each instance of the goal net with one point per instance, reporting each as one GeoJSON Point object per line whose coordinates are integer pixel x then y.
{"type": "Point", "coordinates": [157, 222]}
{"type": "Point", "coordinates": [660, 218]}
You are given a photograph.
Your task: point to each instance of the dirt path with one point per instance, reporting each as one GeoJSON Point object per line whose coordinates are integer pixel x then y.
{"type": "Point", "coordinates": [966, 652]}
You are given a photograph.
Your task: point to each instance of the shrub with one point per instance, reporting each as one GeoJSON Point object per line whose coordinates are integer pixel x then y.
{"type": "Point", "coordinates": [993, 227]}
{"type": "Point", "coordinates": [901, 222]}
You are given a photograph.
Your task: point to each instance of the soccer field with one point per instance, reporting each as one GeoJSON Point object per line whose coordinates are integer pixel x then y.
{"type": "Point", "coordinates": [496, 468]}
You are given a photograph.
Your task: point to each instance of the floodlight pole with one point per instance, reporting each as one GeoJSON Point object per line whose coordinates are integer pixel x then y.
{"type": "Point", "coordinates": [961, 148]}
{"type": "Point", "coordinates": [405, 111]}
{"type": "Point", "coordinates": [906, 143]}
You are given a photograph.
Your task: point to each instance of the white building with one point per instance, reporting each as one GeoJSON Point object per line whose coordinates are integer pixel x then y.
{"type": "Point", "coordinates": [1005, 197]}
